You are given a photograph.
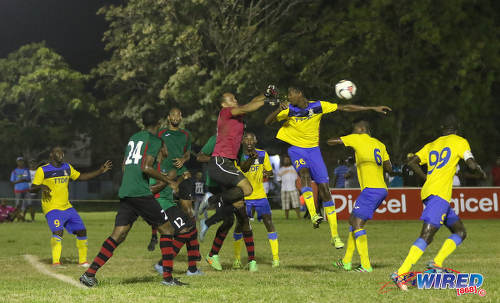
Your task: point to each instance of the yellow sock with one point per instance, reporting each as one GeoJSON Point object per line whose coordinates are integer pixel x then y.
{"type": "Point", "coordinates": [308, 196]}
{"type": "Point", "coordinates": [56, 244]}
{"type": "Point", "coordinates": [362, 247]}
{"type": "Point", "coordinates": [82, 245]}
{"type": "Point", "coordinates": [448, 247]}
{"type": "Point", "coordinates": [416, 251]}
{"type": "Point", "coordinates": [332, 217]}
{"type": "Point", "coordinates": [351, 245]}
{"type": "Point", "coordinates": [273, 241]}
{"type": "Point", "coordinates": [238, 240]}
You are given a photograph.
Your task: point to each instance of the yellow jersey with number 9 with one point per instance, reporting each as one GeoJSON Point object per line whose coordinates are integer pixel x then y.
{"type": "Point", "coordinates": [301, 127]}
{"type": "Point", "coordinates": [441, 157]}
{"type": "Point", "coordinates": [57, 179]}
{"type": "Point", "coordinates": [370, 157]}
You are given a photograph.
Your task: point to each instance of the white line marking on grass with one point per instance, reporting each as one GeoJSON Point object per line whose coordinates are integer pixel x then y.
{"type": "Point", "coordinates": [44, 270]}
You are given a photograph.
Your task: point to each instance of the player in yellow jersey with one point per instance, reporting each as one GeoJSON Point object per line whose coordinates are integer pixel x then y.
{"type": "Point", "coordinates": [301, 130]}
{"type": "Point", "coordinates": [371, 161]}
{"type": "Point", "coordinates": [53, 179]}
{"type": "Point", "coordinates": [441, 157]}
{"type": "Point", "coordinates": [255, 164]}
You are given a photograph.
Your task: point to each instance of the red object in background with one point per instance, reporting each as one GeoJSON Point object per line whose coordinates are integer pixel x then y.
{"type": "Point", "coordinates": [405, 203]}
{"type": "Point", "coordinates": [495, 173]}
{"type": "Point", "coordinates": [314, 188]}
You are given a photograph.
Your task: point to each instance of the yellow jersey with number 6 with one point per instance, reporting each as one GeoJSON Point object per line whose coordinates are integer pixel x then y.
{"type": "Point", "coordinates": [57, 179]}
{"type": "Point", "coordinates": [370, 157]}
{"type": "Point", "coordinates": [441, 157]}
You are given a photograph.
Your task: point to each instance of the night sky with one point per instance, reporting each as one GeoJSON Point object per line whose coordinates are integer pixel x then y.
{"type": "Point", "coordinates": [70, 27]}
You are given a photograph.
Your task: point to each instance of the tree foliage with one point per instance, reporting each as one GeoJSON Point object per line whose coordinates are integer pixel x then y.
{"type": "Point", "coordinates": [42, 102]}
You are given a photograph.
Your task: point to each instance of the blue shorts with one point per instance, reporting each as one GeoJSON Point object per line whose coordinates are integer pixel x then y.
{"type": "Point", "coordinates": [261, 207]}
{"type": "Point", "coordinates": [60, 219]}
{"type": "Point", "coordinates": [310, 158]}
{"type": "Point", "coordinates": [368, 201]}
{"type": "Point", "coordinates": [438, 212]}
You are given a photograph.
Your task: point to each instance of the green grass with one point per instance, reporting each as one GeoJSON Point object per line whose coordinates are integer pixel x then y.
{"type": "Point", "coordinates": [306, 274]}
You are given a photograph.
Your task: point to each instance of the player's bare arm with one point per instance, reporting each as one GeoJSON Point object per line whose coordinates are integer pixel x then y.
{"type": "Point", "coordinates": [41, 187]}
{"type": "Point", "coordinates": [103, 169]}
{"type": "Point", "coordinates": [252, 106]}
{"type": "Point", "coordinates": [334, 141]}
{"type": "Point", "coordinates": [268, 173]}
{"type": "Point", "coordinates": [245, 165]}
{"type": "Point", "coordinates": [148, 168]}
{"type": "Point", "coordinates": [201, 157]}
{"type": "Point", "coordinates": [388, 169]}
{"type": "Point", "coordinates": [473, 165]}
{"type": "Point", "coordinates": [271, 118]}
{"type": "Point", "coordinates": [179, 162]}
{"type": "Point", "coordinates": [356, 108]}
{"type": "Point", "coordinates": [413, 163]}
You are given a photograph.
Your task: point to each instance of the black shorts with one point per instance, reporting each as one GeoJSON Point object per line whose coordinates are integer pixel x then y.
{"type": "Point", "coordinates": [224, 172]}
{"type": "Point", "coordinates": [186, 189]}
{"type": "Point", "coordinates": [147, 207]}
{"type": "Point", "coordinates": [150, 210]}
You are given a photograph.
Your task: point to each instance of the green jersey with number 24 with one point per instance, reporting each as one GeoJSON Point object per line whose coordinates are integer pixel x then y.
{"type": "Point", "coordinates": [134, 182]}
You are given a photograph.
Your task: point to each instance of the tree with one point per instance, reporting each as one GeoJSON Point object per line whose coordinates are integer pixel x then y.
{"type": "Point", "coordinates": [42, 102]}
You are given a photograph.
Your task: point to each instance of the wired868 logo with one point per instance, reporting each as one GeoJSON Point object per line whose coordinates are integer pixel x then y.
{"type": "Point", "coordinates": [462, 283]}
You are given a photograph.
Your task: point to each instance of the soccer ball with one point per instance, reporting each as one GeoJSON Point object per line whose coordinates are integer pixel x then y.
{"type": "Point", "coordinates": [345, 89]}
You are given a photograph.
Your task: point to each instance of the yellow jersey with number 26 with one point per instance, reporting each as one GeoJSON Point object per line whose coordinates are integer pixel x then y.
{"type": "Point", "coordinates": [441, 157]}
{"type": "Point", "coordinates": [301, 127]}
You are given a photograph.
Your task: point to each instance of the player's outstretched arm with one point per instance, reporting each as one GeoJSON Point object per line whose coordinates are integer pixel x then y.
{"type": "Point", "coordinates": [413, 163]}
{"type": "Point", "coordinates": [271, 118]}
{"type": "Point", "coordinates": [334, 141]}
{"type": "Point", "coordinates": [201, 157]}
{"type": "Point", "coordinates": [251, 106]}
{"type": "Point", "coordinates": [103, 169]}
{"type": "Point", "coordinates": [473, 165]}
{"type": "Point", "coordinates": [245, 165]}
{"type": "Point", "coordinates": [40, 187]}
{"type": "Point", "coordinates": [356, 108]}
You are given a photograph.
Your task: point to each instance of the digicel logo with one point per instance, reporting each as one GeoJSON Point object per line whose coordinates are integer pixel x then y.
{"type": "Point", "coordinates": [464, 203]}
{"type": "Point", "coordinates": [393, 205]}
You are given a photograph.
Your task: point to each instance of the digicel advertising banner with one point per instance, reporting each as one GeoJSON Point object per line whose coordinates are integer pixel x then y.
{"type": "Point", "coordinates": [405, 203]}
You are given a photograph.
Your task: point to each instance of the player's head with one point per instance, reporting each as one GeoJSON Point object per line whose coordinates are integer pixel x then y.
{"type": "Point", "coordinates": [449, 125]}
{"type": "Point", "coordinates": [361, 127]}
{"type": "Point", "coordinates": [199, 175]}
{"type": "Point", "coordinates": [32, 164]}
{"type": "Point", "coordinates": [295, 95]}
{"type": "Point", "coordinates": [228, 100]}
{"type": "Point", "coordinates": [286, 160]}
{"type": "Point", "coordinates": [57, 154]}
{"type": "Point", "coordinates": [249, 141]}
{"type": "Point", "coordinates": [20, 162]}
{"type": "Point", "coordinates": [174, 117]}
{"type": "Point", "coordinates": [150, 118]}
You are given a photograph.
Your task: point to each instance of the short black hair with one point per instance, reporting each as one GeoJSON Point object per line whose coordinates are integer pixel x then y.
{"type": "Point", "coordinates": [295, 89]}
{"type": "Point", "coordinates": [450, 122]}
{"type": "Point", "coordinates": [150, 117]}
{"type": "Point", "coordinates": [362, 122]}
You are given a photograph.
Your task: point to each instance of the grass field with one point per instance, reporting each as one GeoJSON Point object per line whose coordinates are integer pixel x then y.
{"type": "Point", "coordinates": [306, 273]}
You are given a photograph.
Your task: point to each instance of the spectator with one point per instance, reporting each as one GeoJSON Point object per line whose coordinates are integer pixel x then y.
{"type": "Point", "coordinates": [339, 175]}
{"type": "Point", "coordinates": [20, 178]}
{"type": "Point", "coordinates": [31, 201]}
{"type": "Point", "coordinates": [199, 192]}
{"type": "Point", "coordinates": [495, 172]}
{"type": "Point", "coordinates": [289, 194]}
{"type": "Point", "coordinates": [351, 177]}
{"type": "Point", "coordinates": [397, 179]}
{"type": "Point", "coordinates": [456, 177]}
{"type": "Point", "coordinates": [410, 178]}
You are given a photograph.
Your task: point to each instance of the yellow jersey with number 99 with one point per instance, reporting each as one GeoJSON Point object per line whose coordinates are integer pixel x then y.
{"type": "Point", "coordinates": [57, 179]}
{"type": "Point", "coordinates": [442, 156]}
{"type": "Point", "coordinates": [370, 157]}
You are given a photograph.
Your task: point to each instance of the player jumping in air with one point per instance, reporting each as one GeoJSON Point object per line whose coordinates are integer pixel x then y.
{"type": "Point", "coordinates": [136, 200]}
{"type": "Point", "coordinates": [255, 164]}
{"type": "Point", "coordinates": [222, 169]}
{"type": "Point", "coordinates": [371, 161]}
{"type": "Point", "coordinates": [301, 130]}
{"type": "Point", "coordinates": [441, 157]}
{"type": "Point", "coordinates": [53, 179]}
